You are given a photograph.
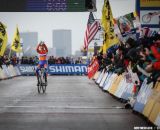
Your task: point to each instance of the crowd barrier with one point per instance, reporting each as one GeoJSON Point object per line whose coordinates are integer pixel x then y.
{"type": "Point", "coordinates": [56, 69]}
{"type": "Point", "coordinates": [147, 101]}
{"type": "Point", "coordinates": [143, 95]}
{"type": "Point", "coordinates": [9, 72]}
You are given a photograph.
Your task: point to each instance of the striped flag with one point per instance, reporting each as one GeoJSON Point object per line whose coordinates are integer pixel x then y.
{"type": "Point", "coordinates": [92, 29]}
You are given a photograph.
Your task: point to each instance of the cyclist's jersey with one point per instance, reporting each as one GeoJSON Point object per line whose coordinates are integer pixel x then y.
{"type": "Point", "coordinates": [42, 56]}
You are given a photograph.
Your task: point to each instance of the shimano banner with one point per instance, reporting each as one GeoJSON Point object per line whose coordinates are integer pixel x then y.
{"type": "Point", "coordinates": [56, 69]}
{"type": "Point", "coordinates": [67, 69]}
{"type": "Point", "coordinates": [27, 69]}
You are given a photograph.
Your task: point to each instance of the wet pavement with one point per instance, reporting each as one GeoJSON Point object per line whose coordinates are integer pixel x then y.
{"type": "Point", "coordinates": [70, 103]}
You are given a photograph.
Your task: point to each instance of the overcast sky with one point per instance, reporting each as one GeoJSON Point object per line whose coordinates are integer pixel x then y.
{"type": "Point", "coordinates": [44, 23]}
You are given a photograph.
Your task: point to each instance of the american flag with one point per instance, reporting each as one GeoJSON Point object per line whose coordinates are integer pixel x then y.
{"type": "Point", "coordinates": [92, 29]}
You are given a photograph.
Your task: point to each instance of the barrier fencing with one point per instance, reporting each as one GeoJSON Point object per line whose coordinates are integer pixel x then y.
{"type": "Point", "coordinates": [147, 101]}
{"type": "Point", "coordinates": [10, 71]}
{"type": "Point", "coordinates": [56, 69]}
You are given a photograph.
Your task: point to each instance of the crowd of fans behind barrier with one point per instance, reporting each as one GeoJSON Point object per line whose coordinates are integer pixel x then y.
{"type": "Point", "coordinates": [5, 60]}
{"type": "Point", "coordinates": [143, 56]}
{"type": "Point", "coordinates": [14, 60]}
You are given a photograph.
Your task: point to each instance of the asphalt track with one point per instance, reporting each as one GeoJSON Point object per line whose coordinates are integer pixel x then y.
{"type": "Point", "coordinates": [70, 103]}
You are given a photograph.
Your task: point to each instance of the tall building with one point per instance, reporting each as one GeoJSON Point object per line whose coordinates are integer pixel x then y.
{"type": "Point", "coordinates": [62, 42]}
{"type": "Point", "coordinates": [51, 52]}
{"type": "Point", "coordinates": [29, 42]}
{"type": "Point", "coordinates": [78, 53]}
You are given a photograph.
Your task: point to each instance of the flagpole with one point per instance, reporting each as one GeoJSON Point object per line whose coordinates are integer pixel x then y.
{"type": "Point", "coordinates": [10, 52]}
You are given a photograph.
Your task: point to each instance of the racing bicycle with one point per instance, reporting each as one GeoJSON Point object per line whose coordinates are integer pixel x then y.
{"type": "Point", "coordinates": [42, 82]}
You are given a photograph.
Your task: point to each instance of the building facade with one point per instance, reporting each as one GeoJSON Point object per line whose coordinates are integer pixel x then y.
{"type": "Point", "coordinates": [62, 42]}
{"type": "Point", "coordinates": [29, 43]}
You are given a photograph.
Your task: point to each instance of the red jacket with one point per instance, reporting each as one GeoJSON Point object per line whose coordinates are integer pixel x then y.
{"type": "Point", "coordinates": [134, 89]}
{"type": "Point", "coordinates": [156, 54]}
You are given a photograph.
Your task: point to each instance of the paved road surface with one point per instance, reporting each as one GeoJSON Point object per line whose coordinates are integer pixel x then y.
{"type": "Point", "coordinates": [70, 103]}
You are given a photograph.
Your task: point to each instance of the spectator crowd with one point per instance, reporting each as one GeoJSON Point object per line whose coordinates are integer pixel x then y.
{"type": "Point", "coordinates": [142, 56]}
{"type": "Point", "coordinates": [5, 60]}
{"type": "Point", "coordinates": [14, 60]}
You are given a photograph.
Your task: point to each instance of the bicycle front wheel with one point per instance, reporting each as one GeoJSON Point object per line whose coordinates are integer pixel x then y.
{"type": "Point", "coordinates": [44, 88]}
{"type": "Point", "coordinates": [39, 87]}
{"type": "Point", "coordinates": [44, 84]}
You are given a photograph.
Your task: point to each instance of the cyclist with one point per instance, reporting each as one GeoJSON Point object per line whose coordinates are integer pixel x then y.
{"type": "Point", "coordinates": [42, 50]}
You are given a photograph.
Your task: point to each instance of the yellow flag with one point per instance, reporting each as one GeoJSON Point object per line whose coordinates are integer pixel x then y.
{"type": "Point", "coordinates": [3, 38]}
{"type": "Point", "coordinates": [107, 21]}
{"type": "Point", "coordinates": [100, 49]}
{"type": "Point", "coordinates": [16, 45]}
{"type": "Point", "coordinates": [104, 16]}
{"type": "Point", "coordinates": [135, 14]}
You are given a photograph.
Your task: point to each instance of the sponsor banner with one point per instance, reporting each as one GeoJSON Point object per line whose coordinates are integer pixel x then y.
{"type": "Point", "coordinates": [149, 13]}
{"type": "Point", "coordinates": [142, 97]}
{"type": "Point", "coordinates": [100, 77]}
{"type": "Point", "coordinates": [127, 91]}
{"type": "Point", "coordinates": [96, 75]}
{"type": "Point", "coordinates": [149, 3]}
{"type": "Point", "coordinates": [103, 80]}
{"type": "Point", "coordinates": [150, 17]}
{"type": "Point", "coordinates": [2, 74]}
{"type": "Point", "coordinates": [93, 68]}
{"type": "Point", "coordinates": [109, 81]}
{"type": "Point", "coordinates": [5, 68]}
{"type": "Point", "coordinates": [27, 69]}
{"type": "Point", "coordinates": [157, 121]}
{"type": "Point", "coordinates": [56, 69]}
{"type": "Point", "coordinates": [121, 88]}
{"type": "Point", "coordinates": [67, 69]}
{"type": "Point", "coordinates": [17, 71]}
